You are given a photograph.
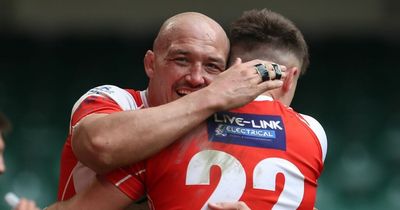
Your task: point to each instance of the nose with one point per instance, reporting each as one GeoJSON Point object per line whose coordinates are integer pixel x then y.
{"type": "Point", "coordinates": [195, 76]}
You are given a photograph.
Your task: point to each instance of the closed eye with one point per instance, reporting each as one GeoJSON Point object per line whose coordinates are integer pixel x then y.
{"type": "Point", "coordinates": [182, 61]}
{"type": "Point", "coordinates": [214, 68]}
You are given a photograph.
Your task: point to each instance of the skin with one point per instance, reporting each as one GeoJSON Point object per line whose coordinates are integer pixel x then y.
{"type": "Point", "coordinates": [183, 47]}
{"type": "Point", "coordinates": [186, 59]}
{"type": "Point", "coordinates": [293, 65]}
{"type": "Point", "coordinates": [184, 68]}
{"type": "Point", "coordinates": [228, 206]}
{"type": "Point", "coordinates": [25, 204]}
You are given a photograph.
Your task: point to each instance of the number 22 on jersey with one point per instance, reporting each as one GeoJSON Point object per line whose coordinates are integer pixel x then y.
{"type": "Point", "coordinates": [232, 183]}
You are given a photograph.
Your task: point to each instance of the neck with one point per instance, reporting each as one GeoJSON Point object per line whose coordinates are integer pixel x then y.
{"type": "Point", "coordinates": [277, 95]}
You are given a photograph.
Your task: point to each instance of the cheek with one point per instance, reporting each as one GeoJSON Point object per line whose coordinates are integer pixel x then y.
{"type": "Point", "coordinates": [174, 77]}
{"type": "Point", "coordinates": [173, 72]}
{"type": "Point", "coordinates": [167, 82]}
{"type": "Point", "coordinates": [209, 78]}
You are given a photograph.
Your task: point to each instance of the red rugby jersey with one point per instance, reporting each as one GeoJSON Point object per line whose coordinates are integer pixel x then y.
{"type": "Point", "coordinates": [264, 154]}
{"type": "Point", "coordinates": [74, 176]}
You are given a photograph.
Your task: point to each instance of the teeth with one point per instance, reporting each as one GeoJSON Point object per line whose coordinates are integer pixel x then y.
{"type": "Point", "coordinates": [184, 92]}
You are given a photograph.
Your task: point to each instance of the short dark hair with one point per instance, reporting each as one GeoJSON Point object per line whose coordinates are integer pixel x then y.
{"type": "Point", "coordinates": [266, 27]}
{"type": "Point", "coordinates": [4, 123]}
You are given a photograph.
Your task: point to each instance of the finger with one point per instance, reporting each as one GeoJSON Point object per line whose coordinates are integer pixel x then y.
{"type": "Point", "coordinates": [270, 71]}
{"type": "Point", "coordinates": [263, 72]}
{"type": "Point", "coordinates": [239, 205]}
{"type": "Point", "coordinates": [237, 61]}
{"type": "Point", "coordinates": [25, 204]}
{"type": "Point", "coordinates": [31, 205]}
{"type": "Point", "coordinates": [21, 205]}
{"type": "Point", "coordinates": [277, 70]}
{"type": "Point", "coordinates": [220, 206]}
{"type": "Point", "coordinates": [270, 85]}
{"type": "Point", "coordinates": [272, 75]}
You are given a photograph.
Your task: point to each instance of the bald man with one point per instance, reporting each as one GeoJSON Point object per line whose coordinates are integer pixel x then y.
{"type": "Point", "coordinates": [112, 127]}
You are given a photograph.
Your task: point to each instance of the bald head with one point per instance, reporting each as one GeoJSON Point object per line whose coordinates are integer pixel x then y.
{"type": "Point", "coordinates": [190, 25]}
{"type": "Point", "coordinates": [190, 50]}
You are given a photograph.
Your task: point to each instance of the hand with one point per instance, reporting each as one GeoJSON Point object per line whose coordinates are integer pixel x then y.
{"type": "Point", "coordinates": [241, 84]}
{"type": "Point", "coordinates": [25, 204]}
{"type": "Point", "coordinates": [238, 205]}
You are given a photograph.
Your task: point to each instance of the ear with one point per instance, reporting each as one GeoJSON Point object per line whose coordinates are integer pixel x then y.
{"type": "Point", "coordinates": [290, 79]}
{"type": "Point", "coordinates": [149, 63]}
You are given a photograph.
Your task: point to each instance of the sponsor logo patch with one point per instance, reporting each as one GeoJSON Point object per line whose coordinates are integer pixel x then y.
{"type": "Point", "coordinates": [101, 90]}
{"type": "Point", "coordinates": [265, 131]}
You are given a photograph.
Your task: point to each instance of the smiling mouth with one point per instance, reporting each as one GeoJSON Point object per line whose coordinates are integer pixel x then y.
{"type": "Point", "coordinates": [183, 92]}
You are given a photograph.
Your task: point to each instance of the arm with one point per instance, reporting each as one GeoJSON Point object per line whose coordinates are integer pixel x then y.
{"type": "Point", "coordinates": [106, 141]}
{"type": "Point", "coordinates": [101, 195]}
{"type": "Point", "coordinates": [141, 206]}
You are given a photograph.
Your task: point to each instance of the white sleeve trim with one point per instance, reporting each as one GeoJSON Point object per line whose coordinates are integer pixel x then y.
{"type": "Point", "coordinates": [82, 177]}
{"type": "Point", "coordinates": [123, 180]}
{"type": "Point", "coordinates": [122, 97]}
{"type": "Point", "coordinates": [319, 132]}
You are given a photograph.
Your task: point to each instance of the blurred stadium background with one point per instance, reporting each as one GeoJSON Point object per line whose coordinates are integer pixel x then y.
{"type": "Point", "coordinates": [54, 51]}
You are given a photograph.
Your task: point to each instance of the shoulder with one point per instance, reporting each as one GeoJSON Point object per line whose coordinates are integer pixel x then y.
{"type": "Point", "coordinates": [120, 96]}
{"type": "Point", "coordinates": [319, 131]}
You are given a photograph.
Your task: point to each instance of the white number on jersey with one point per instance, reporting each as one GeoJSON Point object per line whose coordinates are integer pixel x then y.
{"type": "Point", "coordinates": [233, 178]}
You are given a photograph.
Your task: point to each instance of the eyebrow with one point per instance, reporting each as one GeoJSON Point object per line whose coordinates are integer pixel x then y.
{"type": "Point", "coordinates": [178, 51]}
{"type": "Point", "coordinates": [186, 52]}
{"type": "Point", "coordinates": [217, 60]}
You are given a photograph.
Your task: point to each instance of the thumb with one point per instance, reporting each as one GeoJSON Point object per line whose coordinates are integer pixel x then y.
{"type": "Point", "coordinates": [237, 61]}
{"type": "Point", "coordinates": [216, 206]}
{"type": "Point", "coordinates": [270, 85]}
{"type": "Point", "coordinates": [238, 205]}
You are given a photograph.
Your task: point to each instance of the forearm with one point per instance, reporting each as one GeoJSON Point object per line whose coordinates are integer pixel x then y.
{"type": "Point", "coordinates": [109, 141]}
{"type": "Point", "coordinates": [124, 138]}
{"type": "Point", "coordinates": [100, 195]}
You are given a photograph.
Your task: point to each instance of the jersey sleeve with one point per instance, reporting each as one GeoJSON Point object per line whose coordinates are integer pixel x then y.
{"type": "Point", "coordinates": [129, 180]}
{"type": "Point", "coordinates": [102, 99]}
{"type": "Point", "coordinates": [319, 132]}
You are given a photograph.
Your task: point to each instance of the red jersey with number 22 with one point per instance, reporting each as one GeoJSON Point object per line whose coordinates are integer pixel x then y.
{"type": "Point", "coordinates": [264, 154]}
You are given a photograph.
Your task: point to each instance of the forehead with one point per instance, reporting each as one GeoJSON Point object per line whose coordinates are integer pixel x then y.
{"type": "Point", "coordinates": [199, 35]}
{"type": "Point", "coordinates": [193, 45]}
{"type": "Point", "coordinates": [193, 26]}
{"type": "Point", "coordinates": [197, 48]}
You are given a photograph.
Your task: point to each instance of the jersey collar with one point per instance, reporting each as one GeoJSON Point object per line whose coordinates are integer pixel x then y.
{"type": "Point", "coordinates": [143, 96]}
{"type": "Point", "coordinates": [264, 98]}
